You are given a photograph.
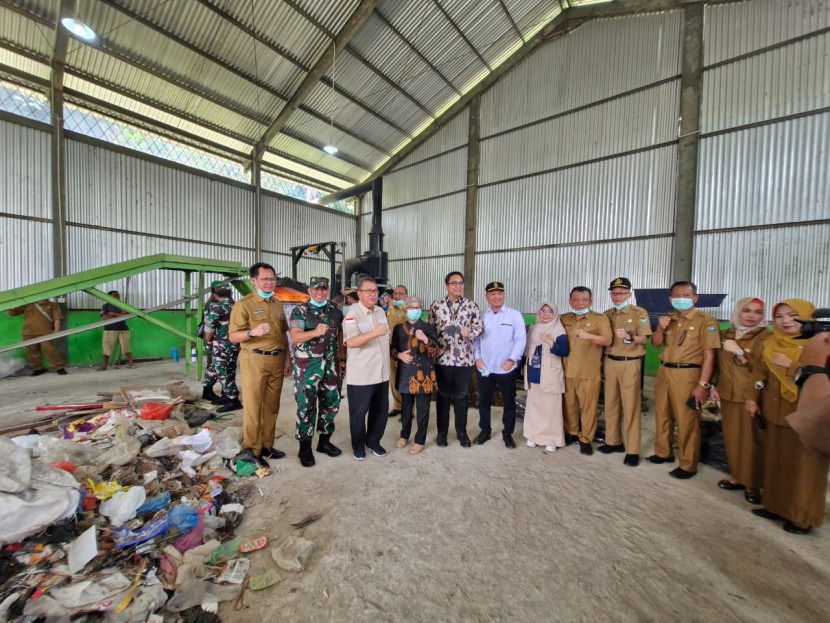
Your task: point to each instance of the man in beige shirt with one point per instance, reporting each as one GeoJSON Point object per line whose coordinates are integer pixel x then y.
{"type": "Point", "coordinates": [366, 335]}
{"type": "Point", "coordinates": [396, 315]}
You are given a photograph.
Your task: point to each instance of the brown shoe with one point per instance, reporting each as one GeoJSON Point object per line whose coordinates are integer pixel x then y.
{"type": "Point", "coordinates": [416, 448]}
{"type": "Point", "coordinates": [401, 443]}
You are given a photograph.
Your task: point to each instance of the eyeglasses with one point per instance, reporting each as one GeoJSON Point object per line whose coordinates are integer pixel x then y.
{"type": "Point", "coordinates": [456, 283]}
{"type": "Point", "coordinates": [266, 279]}
{"type": "Point", "coordinates": [369, 291]}
{"type": "Point", "coordinates": [545, 311]}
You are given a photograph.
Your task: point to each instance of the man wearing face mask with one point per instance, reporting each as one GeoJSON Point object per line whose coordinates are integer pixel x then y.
{"type": "Point", "coordinates": [396, 315]}
{"type": "Point", "coordinates": [589, 332]}
{"type": "Point", "coordinates": [623, 363]}
{"type": "Point", "coordinates": [689, 339]}
{"type": "Point", "coordinates": [315, 334]}
{"type": "Point", "coordinates": [259, 325]}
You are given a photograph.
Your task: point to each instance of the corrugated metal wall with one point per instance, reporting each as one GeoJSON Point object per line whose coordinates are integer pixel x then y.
{"type": "Point", "coordinates": [287, 223]}
{"type": "Point", "coordinates": [451, 136]}
{"type": "Point", "coordinates": [25, 206]}
{"type": "Point", "coordinates": [763, 153]}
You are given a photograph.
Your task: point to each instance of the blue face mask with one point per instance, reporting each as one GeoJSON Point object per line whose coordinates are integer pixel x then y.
{"type": "Point", "coordinates": [580, 312]}
{"type": "Point", "coordinates": [621, 305]}
{"type": "Point", "coordinates": [413, 314]}
{"type": "Point", "coordinates": [316, 304]}
{"type": "Point", "coordinates": [265, 295]}
{"type": "Point", "coordinates": [397, 303]}
{"type": "Point", "coordinates": [682, 304]}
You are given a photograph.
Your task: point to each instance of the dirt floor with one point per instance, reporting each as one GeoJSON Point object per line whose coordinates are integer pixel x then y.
{"type": "Point", "coordinates": [494, 534]}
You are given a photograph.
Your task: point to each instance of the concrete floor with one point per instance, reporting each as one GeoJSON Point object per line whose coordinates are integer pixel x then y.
{"type": "Point", "coordinates": [490, 534]}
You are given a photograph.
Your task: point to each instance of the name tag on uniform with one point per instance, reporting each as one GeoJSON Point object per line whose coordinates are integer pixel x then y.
{"type": "Point", "coordinates": [507, 324]}
{"type": "Point", "coordinates": [364, 326]}
{"type": "Point", "coordinates": [259, 311]}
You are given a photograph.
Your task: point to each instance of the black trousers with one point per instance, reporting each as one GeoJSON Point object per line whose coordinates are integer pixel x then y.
{"type": "Point", "coordinates": [453, 388]}
{"type": "Point", "coordinates": [486, 388]}
{"type": "Point", "coordinates": [371, 399]}
{"type": "Point", "coordinates": [421, 402]}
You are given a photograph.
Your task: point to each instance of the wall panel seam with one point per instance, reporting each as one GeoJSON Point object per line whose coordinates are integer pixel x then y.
{"type": "Point", "coordinates": [131, 232]}
{"type": "Point", "coordinates": [769, 48]}
{"type": "Point", "coordinates": [427, 159]}
{"type": "Point", "coordinates": [557, 245]}
{"type": "Point", "coordinates": [703, 232]}
{"type": "Point", "coordinates": [22, 217]}
{"type": "Point", "coordinates": [759, 124]}
{"type": "Point", "coordinates": [410, 203]}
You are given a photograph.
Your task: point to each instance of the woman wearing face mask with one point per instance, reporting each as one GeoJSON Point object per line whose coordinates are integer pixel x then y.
{"type": "Point", "coordinates": [547, 343]}
{"type": "Point", "coordinates": [736, 393]}
{"type": "Point", "coordinates": [795, 477]}
{"type": "Point", "coordinates": [414, 344]}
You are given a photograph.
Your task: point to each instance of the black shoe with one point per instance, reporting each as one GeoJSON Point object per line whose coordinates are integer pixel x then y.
{"type": "Point", "coordinates": [793, 529]}
{"type": "Point", "coordinates": [464, 440]}
{"type": "Point", "coordinates": [585, 448]}
{"type": "Point", "coordinates": [482, 438]}
{"type": "Point", "coordinates": [394, 412]}
{"type": "Point", "coordinates": [37, 372]}
{"type": "Point", "coordinates": [441, 442]}
{"type": "Point", "coordinates": [272, 453]}
{"type": "Point", "coordinates": [571, 439]}
{"type": "Point", "coordinates": [753, 497]}
{"type": "Point", "coordinates": [659, 460]}
{"type": "Point", "coordinates": [220, 400]}
{"type": "Point", "coordinates": [247, 456]}
{"type": "Point", "coordinates": [606, 449]}
{"type": "Point", "coordinates": [681, 474]}
{"type": "Point", "coordinates": [730, 486]}
{"type": "Point", "coordinates": [325, 446]}
{"type": "Point", "coordinates": [208, 393]}
{"type": "Point", "coordinates": [508, 441]}
{"type": "Point", "coordinates": [261, 461]}
{"type": "Point", "coordinates": [305, 453]}
{"type": "Point", "coordinates": [632, 460]}
{"type": "Point", "coordinates": [233, 404]}
{"type": "Point", "coordinates": [61, 371]}
{"type": "Point", "coordinates": [766, 514]}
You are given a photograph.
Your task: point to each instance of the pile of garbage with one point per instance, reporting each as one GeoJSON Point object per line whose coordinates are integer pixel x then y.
{"type": "Point", "coordinates": [130, 515]}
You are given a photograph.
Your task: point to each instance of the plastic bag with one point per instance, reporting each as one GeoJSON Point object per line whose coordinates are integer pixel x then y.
{"type": "Point", "coordinates": [120, 454]}
{"type": "Point", "coordinates": [229, 442]}
{"type": "Point", "coordinates": [163, 447]}
{"type": "Point", "coordinates": [125, 538]}
{"type": "Point", "coordinates": [200, 442]}
{"type": "Point", "coordinates": [51, 450]}
{"type": "Point", "coordinates": [24, 517]}
{"type": "Point", "coordinates": [225, 552]}
{"type": "Point", "coordinates": [156, 411]}
{"type": "Point", "coordinates": [15, 467]}
{"type": "Point", "coordinates": [191, 539]}
{"type": "Point", "coordinates": [153, 505]}
{"type": "Point", "coordinates": [183, 518]}
{"type": "Point", "coordinates": [105, 490]}
{"type": "Point", "coordinates": [293, 554]}
{"type": "Point", "coordinates": [123, 505]}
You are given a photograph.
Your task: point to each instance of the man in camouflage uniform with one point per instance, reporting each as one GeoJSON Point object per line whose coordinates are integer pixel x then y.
{"type": "Point", "coordinates": [316, 338]}
{"type": "Point", "coordinates": [222, 353]}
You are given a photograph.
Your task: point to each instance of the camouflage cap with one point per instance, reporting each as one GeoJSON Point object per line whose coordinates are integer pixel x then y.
{"type": "Point", "coordinates": [318, 282]}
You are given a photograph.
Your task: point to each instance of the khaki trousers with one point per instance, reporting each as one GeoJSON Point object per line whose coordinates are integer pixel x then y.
{"type": "Point", "coordinates": [34, 357]}
{"type": "Point", "coordinates": [393, 385]}
{"type": "Point", "coordinates": [262, 377]}
{"type": "Point", "coordinates": [673, 387]}
{"type": "Point", "coordinates": [581, 400]}
{"type": "Point", "coordinates": [623, 402]}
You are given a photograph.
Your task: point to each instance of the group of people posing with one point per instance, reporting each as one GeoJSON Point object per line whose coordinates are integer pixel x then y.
{"type": "Point", "coordinates": [750, 370]}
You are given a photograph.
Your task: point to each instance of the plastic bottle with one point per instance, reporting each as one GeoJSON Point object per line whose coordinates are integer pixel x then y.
{"type": "Point", "coordinates": [193, 355]}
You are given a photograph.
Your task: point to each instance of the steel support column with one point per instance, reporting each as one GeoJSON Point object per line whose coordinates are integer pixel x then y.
{"type": "Point", "coordinates": [256, 175]}
{"type": "Point", "coordinates": [691, 85]}
{"type": "Point", "coordinates": [471, 212]}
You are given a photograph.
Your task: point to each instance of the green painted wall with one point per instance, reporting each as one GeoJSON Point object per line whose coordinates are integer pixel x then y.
{"type": "Point", "coordinates": [148, 341]}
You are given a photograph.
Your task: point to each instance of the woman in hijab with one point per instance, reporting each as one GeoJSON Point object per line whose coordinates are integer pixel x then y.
{"type": "Point", "coordinates": [736, 393]}
{"type": "Point", "coordinates": [795, 477]}
{"type": "Point", "coordinates": [545, 380]}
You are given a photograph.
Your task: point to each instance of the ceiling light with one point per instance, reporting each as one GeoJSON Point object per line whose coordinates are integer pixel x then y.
{"type": "Point", "coordinates": [79, 29]}
{"type": "Point", "coordinates": [330, 150]}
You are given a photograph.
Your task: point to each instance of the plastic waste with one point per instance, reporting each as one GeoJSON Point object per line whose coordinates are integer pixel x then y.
{"type": "Point", "coordinates": [105, 490]}
{"type": "Point", "coordinates": [148, 599]}
{"type": "Point", "coordinates": [25, 441]}
{"type": "Point", "coordinates": [153, 505]}
{"type": "Point", "coordinates": [163, 447]}
{"type": "Point", "coordinates": [174, 353]}
{"type": "Point", "coordinates": [23, 516]}
{"type": "Point", "coordinates": [212, 525]}
{"type": "Point", "coordinates": [191, 459]}
{"type": "Point", "coordinates": [229, 442]}
{"type": "Point", "coordinates": [120, 454]}
{"type": "Point", "coordinates": [183, 518]}
{"type": "Point", "coordinates": [293, 554]}
{"type": "Point", "coordinates": [44, 476]}
{"type": "Point", "coordinates": [264, 580]}
{"type": "Point", "coordinates": [125, 538]}
{"type": "Point", "coordinates": [225, 552]}
{"type": "Point", "coordinates": [245, 468]}
{"type": "Point", "coordinates": [87, 595]}
{"type": "Point", "coordinates": [52, 449]}
{"type": "Point", "coordinates": [15, 467]}
{"type": "Point", "coordinates": [122, 506]}
{"type": "Point", "coordinates": [64, 465]}
{"type": "Point", "coordinates": [192, 539]}
{"type": "Point", "coordinates": [194, 592]}
{"type": "Point", "coordinates": [200, 441]}
{"type": "Point", "coordinates": [155, 411]}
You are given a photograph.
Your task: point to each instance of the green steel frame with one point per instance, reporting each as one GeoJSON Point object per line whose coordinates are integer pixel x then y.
{"type": "Point", "coordinates": [87, 281]}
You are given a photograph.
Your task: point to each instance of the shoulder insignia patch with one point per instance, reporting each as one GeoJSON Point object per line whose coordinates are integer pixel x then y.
{"type": "Point", "coordinates": [711, 328]}
{"type": "Point", "coordinates": [643, 320]}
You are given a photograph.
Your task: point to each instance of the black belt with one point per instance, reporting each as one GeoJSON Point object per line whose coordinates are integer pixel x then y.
{"type": "Point", "coordinates": [273, 353]}
{"type": "Point", "coordinates": [680, 365]}
{"type": "Point", "coordinates": [615, 358]}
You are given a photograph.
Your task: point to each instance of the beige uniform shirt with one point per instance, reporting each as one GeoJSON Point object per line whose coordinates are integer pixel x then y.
{"type": "Point", "coordinates": [250, 311]}
{"type": "Point", "coordinates": [634, 320]}
{"type": "Point", "coordinates": [395, 315]}
{"type": "Point", "coordinates": [585, 358]}
{"type": "Point", "coordinates": [735, 380]}
{"type": "Point", "coordinates": [367, 364]}
{"type": "Point", "coordinates": [35, 323]}
{"type": "Point", "coordinates": [687, 337]}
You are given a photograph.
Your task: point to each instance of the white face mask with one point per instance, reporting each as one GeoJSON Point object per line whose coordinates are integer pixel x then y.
{"type": "Point", "coordinates": [622, 305]}
{"type": "Point", "coordinates": [579, 312]}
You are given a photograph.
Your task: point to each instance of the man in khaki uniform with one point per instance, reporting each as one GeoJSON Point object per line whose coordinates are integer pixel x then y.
{"type": "Point", "coordinates": [39, 319]}
{"type": "Point", "coordinates": [690, 339]}
{"type": "Point", "coordinates": [396, 315]}
{"type": "Point", "coordinates": [589, 332]}
{"type": "Point", "coordinates": [366, 335]}
{"type": "Point", "coordinates": [623, 364]}
{"type": "Point", "coordinates": [259, 325]}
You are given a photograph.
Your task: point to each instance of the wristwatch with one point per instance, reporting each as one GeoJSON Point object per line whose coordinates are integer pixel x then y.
{"type": "Point", "coordinates": [249, 334]}
{"type": "Point", "coordinates": [805, 372]}
{"type": "Point", "coordinates": [740, 352]}
{"type": "Point", "coordinates": [704, 384]}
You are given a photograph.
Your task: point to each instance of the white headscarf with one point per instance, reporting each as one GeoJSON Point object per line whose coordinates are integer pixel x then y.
{"type": "Point", "coordinates": [735, 318]}
{"type": "Point", "coordinates": [553, 329]}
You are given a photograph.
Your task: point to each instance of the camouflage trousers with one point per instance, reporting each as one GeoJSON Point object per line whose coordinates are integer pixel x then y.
{"type": "Point", "coordinates": [221, 367]}
{"type": "Point", "coordinates": [317, 389]}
